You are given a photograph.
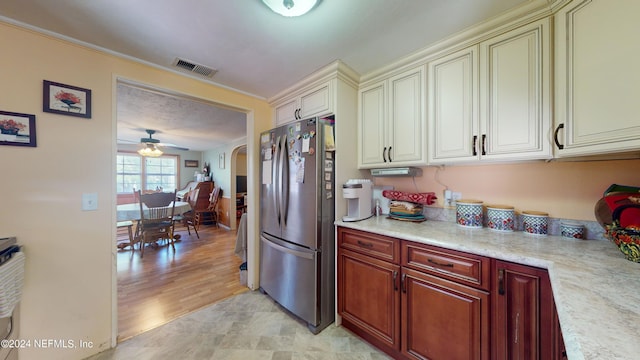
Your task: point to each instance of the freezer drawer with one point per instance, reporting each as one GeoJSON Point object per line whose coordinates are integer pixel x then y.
{"type": "Point", "coordinates": [289, 275]}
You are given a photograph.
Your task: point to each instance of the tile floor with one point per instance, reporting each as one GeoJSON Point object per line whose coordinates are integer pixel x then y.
{"type": "Point", "coordinates": [245, 327]}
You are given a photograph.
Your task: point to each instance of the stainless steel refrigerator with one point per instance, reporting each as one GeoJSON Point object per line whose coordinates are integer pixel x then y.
{"type": "Point", "coordinates": [297, 250]}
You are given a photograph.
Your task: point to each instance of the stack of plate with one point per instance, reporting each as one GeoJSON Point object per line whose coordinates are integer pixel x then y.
{"type": "Point", "coordinates": [406, 211]}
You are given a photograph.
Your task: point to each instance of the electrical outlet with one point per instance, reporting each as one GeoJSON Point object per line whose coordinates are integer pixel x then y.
{"type": "Point", "coordinates": [455, 197]}
{"type": "Point", "coordinates": [448, 198]}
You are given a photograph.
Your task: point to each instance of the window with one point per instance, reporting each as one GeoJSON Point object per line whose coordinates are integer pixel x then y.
{"type": "Point", "coordinates": [135, 172]}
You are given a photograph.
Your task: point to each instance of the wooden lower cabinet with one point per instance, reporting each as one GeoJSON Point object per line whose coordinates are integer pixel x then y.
{"type": "Point", "coordinates": [416, 301]}
{"type": "Point", "coordinates": [369, 300]}
{"type": "Point", "coordinates": [524, 321]}
{"type": "Point", "coordinates": [442, 319]}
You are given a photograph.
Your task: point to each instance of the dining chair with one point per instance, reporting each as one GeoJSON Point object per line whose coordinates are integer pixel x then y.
{"type": "Point", "coordinates": [156, 218]}
{"type": "Point", "coordinates": [210, 213]}
{"type": "Point", "coordinates": [188, 219]}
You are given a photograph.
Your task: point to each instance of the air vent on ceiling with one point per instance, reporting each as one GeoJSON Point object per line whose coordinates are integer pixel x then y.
{"type": "Point", "coordinates": [192, 67]}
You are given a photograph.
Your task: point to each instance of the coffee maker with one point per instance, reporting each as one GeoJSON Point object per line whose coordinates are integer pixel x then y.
{"type": "Point", "coordinates": [358, 193]}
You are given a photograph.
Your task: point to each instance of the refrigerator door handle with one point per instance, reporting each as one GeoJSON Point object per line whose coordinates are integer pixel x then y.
{"type": "Point", "coordinates": [275, 180]}
{"type": "Point", "coordinates": [284, 178]}
{"type": "Point", "coordinates": [301, 254]}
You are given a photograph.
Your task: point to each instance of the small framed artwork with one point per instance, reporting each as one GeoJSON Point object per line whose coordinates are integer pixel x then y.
{"type": "Point", "coordinates": [221, 161]}
{"type": "Point", "coordinates": [191, 163]}
{"type": "Point", "coordinates": [66, 99]}
{"type": "Point", "coordinates": [17, 129]}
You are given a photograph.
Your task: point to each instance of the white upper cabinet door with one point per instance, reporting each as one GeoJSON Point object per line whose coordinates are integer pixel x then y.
{"type": "Point", "coordinates": [453, 107]}
{"type": "Point", "coordinates": [372, 125]}
{"type": "Point", "coordinates": [515, 94]}
{"type": "Point", "coordinates": [407, 131]}
{"type": "Point", "coordinates": [597, 77]}
{"type": "Point", "coordinates": [316, 102]}
{"type": "Point", "coordinates": [392, 122]}
{"type": "Point", "coordinates": [286, 112]}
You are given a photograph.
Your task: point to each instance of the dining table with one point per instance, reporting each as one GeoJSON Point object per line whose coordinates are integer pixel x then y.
{"type": "Point", "coordinates": [131, 212]}
{"type": "Point", "coordinates": [126, 212]}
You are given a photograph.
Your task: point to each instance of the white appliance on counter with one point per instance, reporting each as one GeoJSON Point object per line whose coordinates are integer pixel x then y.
{"type": "Point", "coordinates": [358, 195]}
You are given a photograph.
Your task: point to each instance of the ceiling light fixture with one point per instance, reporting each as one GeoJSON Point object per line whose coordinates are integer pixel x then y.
{"type": "Point", "coordinates": [291, 8]}
{"type": "Point", "coordinates": [150, 150]}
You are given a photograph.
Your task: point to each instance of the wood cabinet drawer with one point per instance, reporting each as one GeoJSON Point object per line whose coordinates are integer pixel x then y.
{"type": "Point", "coordinates": [458, 266]}
{"type": "Point", "coordinates": [378, 246]}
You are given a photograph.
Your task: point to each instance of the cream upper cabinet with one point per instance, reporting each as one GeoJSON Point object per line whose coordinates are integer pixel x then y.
{"type": "Point", "coordinates": [392, 121]}
{"type": "Point", "coordinates": [491, 101]}
{"type": "Point", "coordinates": [453, 107]}
{"type": "Point", "coordinates": [597, 78]}
{"type": "Point", "coordinates": [315, 101]}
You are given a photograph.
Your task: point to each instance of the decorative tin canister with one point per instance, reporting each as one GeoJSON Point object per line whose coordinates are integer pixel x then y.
{"type": "Point", "coordinates": [535, 223]}
{"type": "Point", "coordinates": [570, 229]}
{"type": "Point", "coordinates": [469, 213]}
{"type": "Point", "coordinates": [500, 217]}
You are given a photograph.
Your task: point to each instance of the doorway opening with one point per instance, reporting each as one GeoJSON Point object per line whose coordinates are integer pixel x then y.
{"type": "Point", "coordinates": [165, 285]}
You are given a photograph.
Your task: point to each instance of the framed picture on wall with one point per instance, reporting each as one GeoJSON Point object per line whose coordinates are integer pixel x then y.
{"type": "Point", "coordinates": [191, 163]}
{"type": "Point", "coordinates": [17, 129]}
{"type": "Point", "coordinates": [66, 99]}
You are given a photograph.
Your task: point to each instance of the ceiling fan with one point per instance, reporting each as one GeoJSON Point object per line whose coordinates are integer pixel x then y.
{"type": "Point", "coordinates": [150, 146]}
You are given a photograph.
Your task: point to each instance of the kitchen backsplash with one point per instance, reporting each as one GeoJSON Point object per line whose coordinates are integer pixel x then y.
{"type": "Point", "coordinates": [593, 230]}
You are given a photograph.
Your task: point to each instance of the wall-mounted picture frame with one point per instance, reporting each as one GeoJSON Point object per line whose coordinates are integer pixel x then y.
{"type": "Point", "coordinates": [191, 163]}
{"type": "Point", "coordinates": [66, 99]}
{"type": "Point", "coordinates": [221, 161]}
{"type": "Point", "coordinates": [17, 129]}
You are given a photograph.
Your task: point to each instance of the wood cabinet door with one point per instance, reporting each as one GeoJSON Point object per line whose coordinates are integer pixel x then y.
{"type": "Point", "coordinates": [453, 107]}
{"type": "Point", "coordinates": [442, 319]}
{"type": "Point", "coordinates": [523, 312]}
{"type": "Point", "coordinates": [369, 298]}
{"type": "Point", "coordinates": [515, 94]}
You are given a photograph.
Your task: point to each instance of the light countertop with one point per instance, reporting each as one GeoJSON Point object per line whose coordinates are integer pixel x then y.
{"type": "Point", "coordinates": [596, 290]}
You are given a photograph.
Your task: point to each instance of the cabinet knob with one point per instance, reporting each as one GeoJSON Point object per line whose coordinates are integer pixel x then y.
{"type": "Point", "coordinates": [501, 281]}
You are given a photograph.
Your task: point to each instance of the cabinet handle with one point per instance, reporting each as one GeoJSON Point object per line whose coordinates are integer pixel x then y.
{"type": "Point", "coordinates": [390, 159]}
{"type": "Point", "coordinates": [365, 244]}
{"type": "Point", "coordinates": [474, 143]}
{"type": "Point", "coordinates": [404, 283]}
{"type": "Point", "coordinates": [395, 281]}
{"type": "Point", "coordinates": [517, 327]}
{"type": "Point", "coordinates": [295, 114]}
{"type": "Point", "coordinates": [484, 142]}
{"type": "Point", "coordinates": [501, 281]}
{"type": "Point", "coordinates": [384, 154]}
{"type": "Point", "coordinates": [555, 136]}
{"type": "Point", "coordinates": [439, 264]}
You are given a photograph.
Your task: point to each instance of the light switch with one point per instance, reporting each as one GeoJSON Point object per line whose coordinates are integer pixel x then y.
{"type": "Point", "coordinates": [89, 201]}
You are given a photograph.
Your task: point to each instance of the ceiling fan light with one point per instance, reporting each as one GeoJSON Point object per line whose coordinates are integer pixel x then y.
{"type": "Point", "coordinates": [291, 8]}
{"type": "Point", "coordinates": [150, 150]}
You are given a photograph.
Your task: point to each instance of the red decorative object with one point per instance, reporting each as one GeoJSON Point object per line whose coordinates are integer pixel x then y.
{"type": "Point", "coordinates": [426, 198]}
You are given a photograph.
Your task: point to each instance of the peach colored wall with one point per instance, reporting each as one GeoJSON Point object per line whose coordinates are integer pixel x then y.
{"type": "Point", "coordinates": [69, 292]}
{"type": "Point", "coordinates": [567, 190]}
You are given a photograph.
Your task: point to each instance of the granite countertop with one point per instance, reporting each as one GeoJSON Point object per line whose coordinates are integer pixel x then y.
{"type": "Point", "coordinates": [596, 290]}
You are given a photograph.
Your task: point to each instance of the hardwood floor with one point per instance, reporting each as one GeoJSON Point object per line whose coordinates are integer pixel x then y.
{"type": "Point", "coordinates": [165, 285]}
